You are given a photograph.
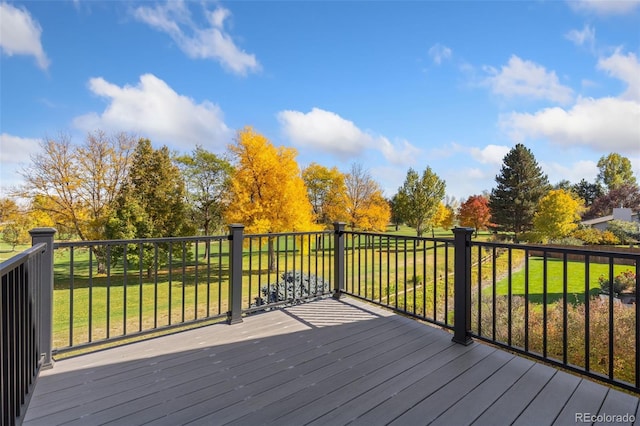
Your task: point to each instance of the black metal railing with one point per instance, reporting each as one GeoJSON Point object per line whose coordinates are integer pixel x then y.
{"type": "Point", "coordinates": [554, 304]}
{"type": "Point", "coordinates": [119, 289]}
{"type": "Point", "coordinates": [20, 328]}
{"type": "Point", "coordinates": [411, 275]}
{"type": "Point", "coordinates": [108, 290]}
{"type": "Point", "coordinates": [550, 303]}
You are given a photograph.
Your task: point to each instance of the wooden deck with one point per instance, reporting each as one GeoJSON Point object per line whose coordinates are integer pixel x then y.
{"type": "Point", "coordinates": [326, 362]}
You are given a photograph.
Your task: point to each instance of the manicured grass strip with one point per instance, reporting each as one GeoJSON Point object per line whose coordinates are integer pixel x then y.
{"type": "Point", "coordinates": [555, 279]}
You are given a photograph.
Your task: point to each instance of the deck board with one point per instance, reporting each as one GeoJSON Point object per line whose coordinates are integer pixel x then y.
{"type": "Point", "coordinates": [325, 362]}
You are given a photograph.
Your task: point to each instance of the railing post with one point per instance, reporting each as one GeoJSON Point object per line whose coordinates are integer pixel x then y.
{"type": "Point", "coordinates": [462, 286]}
{"type": "Point", "coordinates": [45, 235]}
{"type": "Point", "coordinates": [235, 273]}
{"type": "Point", "coordinates": [338, 259]}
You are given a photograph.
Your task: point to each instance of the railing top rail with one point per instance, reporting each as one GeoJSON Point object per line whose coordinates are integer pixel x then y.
{"type": "Point", "coordinates": [60, 244]}
{"type": "Point", "coordinates": [401, 237]}
{"type": "Point", "coordinates": [290, 234]}
{"type": "Point", "coordinates": [20, 258]}
{"type": "Point", "coordinates": [87, 243]}
{"type": "Point", "coordinates": [546, 248]}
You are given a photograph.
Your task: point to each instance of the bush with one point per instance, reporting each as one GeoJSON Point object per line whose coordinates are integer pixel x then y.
{"type": "Point", "coordinates": [568, 241]}
{"type": "Point", "coordinates": [293, 288]}
{"type": "Point", "coordinates": [593, 236]}
{"type": "Point", "coordinates": [512, 322]}
{"type": "Point", "coordinates": [626, 232]}
{"type": "Point", "coordinates": [609, 238]}
{"type": "Point", "coordinates": [625, 281]}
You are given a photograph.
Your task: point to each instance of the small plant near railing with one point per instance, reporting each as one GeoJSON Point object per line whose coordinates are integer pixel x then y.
{"type": "Point", "coordinates": [512, 317]}
{"type": "Point", "coordinates": [622, 283]}
{"type": "Point", "coordinates": [293, 288]}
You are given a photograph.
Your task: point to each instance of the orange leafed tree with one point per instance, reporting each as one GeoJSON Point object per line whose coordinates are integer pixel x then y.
{"type": "Point", "coordinates": [475, 213]}
{"type": "Point", "coordinates": [267, 190]}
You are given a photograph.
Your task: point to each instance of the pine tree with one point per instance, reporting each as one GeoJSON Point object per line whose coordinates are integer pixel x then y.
{"type": "Point", "coordinates": [520, 186]}
{"type": "Point", "coordinates": [151, 204]}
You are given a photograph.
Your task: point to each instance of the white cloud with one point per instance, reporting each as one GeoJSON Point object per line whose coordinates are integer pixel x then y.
{"type": "Point", "coordinates": [585, 37]}
{"type": "Point", "coordinates": [625, 68]}
{"type": "Point", "coordinates": [603, 124]}
{"type": "Point", "coordinates": [604, 7]}
{"type": "Point", "coordinates": [20, 34]}
{"type": "Point", "coordinates": [573, 172]}
{"type": "Point", "coordinates": [490, 154]}
{"type": "Point", "coordinates": [326, 131]}
{"type": "Point", "coordinates": [527, 79]}
{"type": "Point", "coordinates": [438, 53]}
{"type": "Point", "coordinates": [17, 150]}
{"type": "Point", "coordinates": [153, 109]}
{"type": "Point", "coordinates": [209, 42]}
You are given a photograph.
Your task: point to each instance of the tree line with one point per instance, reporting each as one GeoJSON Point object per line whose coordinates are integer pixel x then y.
{"type": "Point", "coordinates": [121, 187]}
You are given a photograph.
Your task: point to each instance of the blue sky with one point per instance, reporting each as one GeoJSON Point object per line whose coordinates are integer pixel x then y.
{"type": "Point", "coordinates": [390, 85]}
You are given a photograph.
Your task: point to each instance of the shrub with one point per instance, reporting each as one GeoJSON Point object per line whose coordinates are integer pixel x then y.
{"type": "Point", "coordinates": [624, 281]}
{"type": "Point", "coordinates": [609, 238]}
{"type": "Point", "coordinates": [593, 236]}
{"type": "Point", "coordinates": [626, 232]}
{"type": "Point", "coordinates": [293, 288]}
{"type": "Point", "coordinates": [598, 327]}
{"type": "Point", "coordinates": [568, 241]}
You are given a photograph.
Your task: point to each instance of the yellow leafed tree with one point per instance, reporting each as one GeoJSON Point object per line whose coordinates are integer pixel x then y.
{"type": "Point", "coordinates": [444, 217]}
{"type": "Point", "coordinates": [558, 214]}
{"type": "Point", "coordinates": [327, 193]}
{"type": "Point", "coordinates": [267, 190]}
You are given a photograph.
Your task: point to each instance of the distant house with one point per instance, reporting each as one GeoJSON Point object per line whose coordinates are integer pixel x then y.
{"type": "Point", "coordinates": [601, 223]}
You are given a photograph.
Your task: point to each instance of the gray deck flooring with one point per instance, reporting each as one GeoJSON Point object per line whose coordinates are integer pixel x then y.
{"type": "Point", "coordinates": [323, 363]}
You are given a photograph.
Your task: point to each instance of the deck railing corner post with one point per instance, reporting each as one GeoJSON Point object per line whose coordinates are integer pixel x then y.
{"type": "Point", "coordinates": [338, 257]}
{"type": "Point", "coordinates": [45, 235]}
{"type": "Point", "coordinates": [462, 286]}
{"type": "Point", "coordinates": [235, 273]}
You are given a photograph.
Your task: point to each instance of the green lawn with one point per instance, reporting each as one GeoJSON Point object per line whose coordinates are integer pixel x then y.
{"type": "Point", "coordinates": [575, 280]}
{"type": "Point", "coordinates": [6, 251]}
{"type": "Point", "coordinates": [186, 289]}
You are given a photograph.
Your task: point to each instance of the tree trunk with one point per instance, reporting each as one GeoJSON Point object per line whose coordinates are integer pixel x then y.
{"type": "Point", "coordinates": [101, 258]}
{"type": "Point", "coordinates": [272, 255]}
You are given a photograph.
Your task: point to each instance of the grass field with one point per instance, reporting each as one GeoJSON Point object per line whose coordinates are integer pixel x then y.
{"type": "Point", "coordinates": [556, 279]}
{"type": "Point", "coordinates": [6, 251]}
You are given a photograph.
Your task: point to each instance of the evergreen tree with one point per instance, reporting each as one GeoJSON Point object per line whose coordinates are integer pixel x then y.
{"type": "Point", "coordinates": [589, 192]}
{"type": "Point", "coordinates": [151, 204]}
{"type": "Point", "coordinates": [520, 186]}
